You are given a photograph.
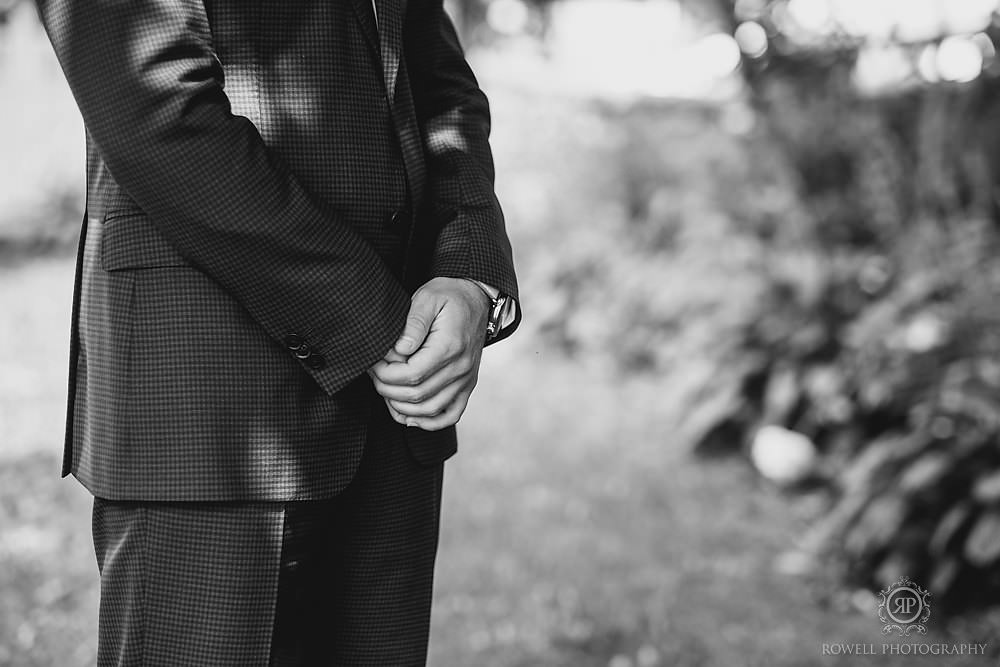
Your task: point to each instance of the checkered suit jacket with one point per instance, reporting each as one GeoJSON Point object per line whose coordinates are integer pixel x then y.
{"type": "Point", "coordinates": [268, 182]}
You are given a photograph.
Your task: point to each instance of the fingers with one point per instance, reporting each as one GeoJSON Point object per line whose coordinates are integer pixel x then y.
{"type": "Point", "coordinates": [448, 417]}
{"type": "Point", "coordinates": [446, 320]}
{"type": "Point", "coordinates": [428, 376]}
{"type": "Point", "coordinates": [399, 383]}
{"type": "Point", "coordinates": [395, 414]}
{"type": "Point", "coordinates": [424, 308]}
{"type": "Point", "coordinates": [437, 403]}
{"type": "Point", "coordinates": [436, 355]}
{"type": "Point", "coordinates": [434, 404]}
{"type": "Point", "coordinates": [394, 357]}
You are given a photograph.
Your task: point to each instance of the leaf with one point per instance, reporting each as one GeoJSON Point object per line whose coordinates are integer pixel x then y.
{"type": "Point", "coordinates": [948, 528]}
{"type": "Point", "coordinates": [867, 473]}
{"type": "Point", "coordinates": [982, 547]}
{"type": "Point", "coordinates": [879, 525]}
{"type": "Point", "coordinates": [896, 565]}
{"type": "Point", "coordinates": [926, 472]}
{"type": "Point", "coordinates": [783, 393]}
{"type": "Point", "coordinates": [987, 488]}
{"type": "Point", "coordinates": [944, 575]}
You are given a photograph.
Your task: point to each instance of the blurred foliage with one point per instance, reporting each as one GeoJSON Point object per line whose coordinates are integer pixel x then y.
{"type": "Point", "coordinates": [831, 266]}
{"type": "Point", "coordinates": [6, 7]}
{"type": "Point", "coordinates": [656, 259]}
{"type": "Point", "coordinates": [879, 335]}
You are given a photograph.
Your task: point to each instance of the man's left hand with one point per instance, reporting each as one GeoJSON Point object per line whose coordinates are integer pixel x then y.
{"type": "Point", "coordinates": [428, 376]}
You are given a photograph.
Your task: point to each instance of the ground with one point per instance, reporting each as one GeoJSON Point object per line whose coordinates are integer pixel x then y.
{"type": "Point", "coordinates": [577, 531]}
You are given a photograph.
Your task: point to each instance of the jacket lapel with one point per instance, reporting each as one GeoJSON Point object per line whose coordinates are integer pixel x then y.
{"type": "Point", "coordinates": [384, 36]}
{"type": "Point", "coordinates": [366, 17]}
{"type": "Point", "coordinates": [390, 32]}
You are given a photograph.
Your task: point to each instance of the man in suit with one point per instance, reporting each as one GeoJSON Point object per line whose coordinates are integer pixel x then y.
{"type": "Point", "coordinates": [291, 259]}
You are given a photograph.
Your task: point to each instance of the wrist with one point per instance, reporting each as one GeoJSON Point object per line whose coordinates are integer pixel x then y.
{"type": "Point", "coordinates": [487, 295]}
{"type": "Point", "coordinates": [497, 309]}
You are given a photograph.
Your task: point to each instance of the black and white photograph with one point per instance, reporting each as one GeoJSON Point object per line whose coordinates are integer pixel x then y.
{"type": "Point", "coordinates": [499, 333]}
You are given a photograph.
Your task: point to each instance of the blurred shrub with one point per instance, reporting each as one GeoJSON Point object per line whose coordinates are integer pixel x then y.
{"type": "Point", "coordinates": [667, 194]}
{"type": "Point", "coordinates": [878, 336]}
{"type": "Point", "coordinates": [831, 269]}
{"type": "Point", "coordinates": [41, 175]}
{"type": "Point", "coordinates": [6, 7]}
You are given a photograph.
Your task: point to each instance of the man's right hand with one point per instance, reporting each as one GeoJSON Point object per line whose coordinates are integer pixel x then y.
{"type": "Point", "coordinates": [428, 376]}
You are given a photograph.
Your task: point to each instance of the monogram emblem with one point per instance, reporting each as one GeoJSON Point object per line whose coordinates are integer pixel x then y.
{"type": "Point", "coordinates": [903, 608]}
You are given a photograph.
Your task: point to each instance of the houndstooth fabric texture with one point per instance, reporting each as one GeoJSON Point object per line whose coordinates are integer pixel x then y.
{"type": "Point", "coordinates": [345, 581]}
{"type": "Point", "coordinates": [268, 182]}
{"type": "Point", "coordinates": [186, 583]}
{"type": "Point", "coordinates": [357, 571]}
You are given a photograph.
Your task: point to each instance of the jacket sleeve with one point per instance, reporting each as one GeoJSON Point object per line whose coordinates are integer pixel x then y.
{"type": "Point", "coordinates": [454, 118]}
{"type": "Point", "coordinates": [150, 88]}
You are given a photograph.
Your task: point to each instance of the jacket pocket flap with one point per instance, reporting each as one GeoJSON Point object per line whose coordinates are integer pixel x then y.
{"type": "Point", "coordinates": [132, 242]}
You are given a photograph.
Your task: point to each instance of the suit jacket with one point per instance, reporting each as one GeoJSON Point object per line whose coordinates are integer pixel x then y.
{"type": "Point", "coordinates": [268, 182]}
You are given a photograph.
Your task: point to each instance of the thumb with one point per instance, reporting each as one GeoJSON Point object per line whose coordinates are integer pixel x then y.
{"type": "Point", "coordinates": [394, 357]}
{"type": "Point", "coordinates": [418, 324]}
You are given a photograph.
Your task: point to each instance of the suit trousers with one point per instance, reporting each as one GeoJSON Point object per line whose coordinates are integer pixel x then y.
{"type": "Point", "coordinates": [341, 582]}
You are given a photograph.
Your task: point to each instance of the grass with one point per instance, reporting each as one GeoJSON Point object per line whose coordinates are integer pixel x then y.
{"type": "Point", "coordinates": [48, 607]}
{"type": "Point", "coordinates": [577, 530]}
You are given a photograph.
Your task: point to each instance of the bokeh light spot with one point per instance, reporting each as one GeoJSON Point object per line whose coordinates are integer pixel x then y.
{"type": "Point", "coordinates": [508, 17]}
{"type": "Point", "coordinates": [811, 15]}
{"type": "Point", "coordinates": [959, 59]}
{"type": "Point", "coordinates": [751, 38]}
{"type": "Point", "coordinates": [719, 54]}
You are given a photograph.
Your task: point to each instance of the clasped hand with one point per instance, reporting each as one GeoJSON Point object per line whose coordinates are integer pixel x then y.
{"type": "Point", "coordinates": [428, 376]}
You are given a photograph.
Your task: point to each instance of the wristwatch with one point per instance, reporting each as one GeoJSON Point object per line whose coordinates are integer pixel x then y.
{"type": "Point", "coordinates": [499, 305]}
{"type": "Point", "coordinates": [495, 322]}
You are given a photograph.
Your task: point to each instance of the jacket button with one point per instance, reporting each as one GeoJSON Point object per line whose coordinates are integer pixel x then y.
{"type": "Point", "coordinates": [294, 342]}
{"type": "Point", "coordinates": [302, 352]}
{"type": "Point", "coordinates": [316, 362]}
{"type": "Point", "coordinates": [398, 218]}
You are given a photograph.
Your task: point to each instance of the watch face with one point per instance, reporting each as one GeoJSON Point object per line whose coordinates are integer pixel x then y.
{"type": "Point", "coordinates": [496, 313]}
